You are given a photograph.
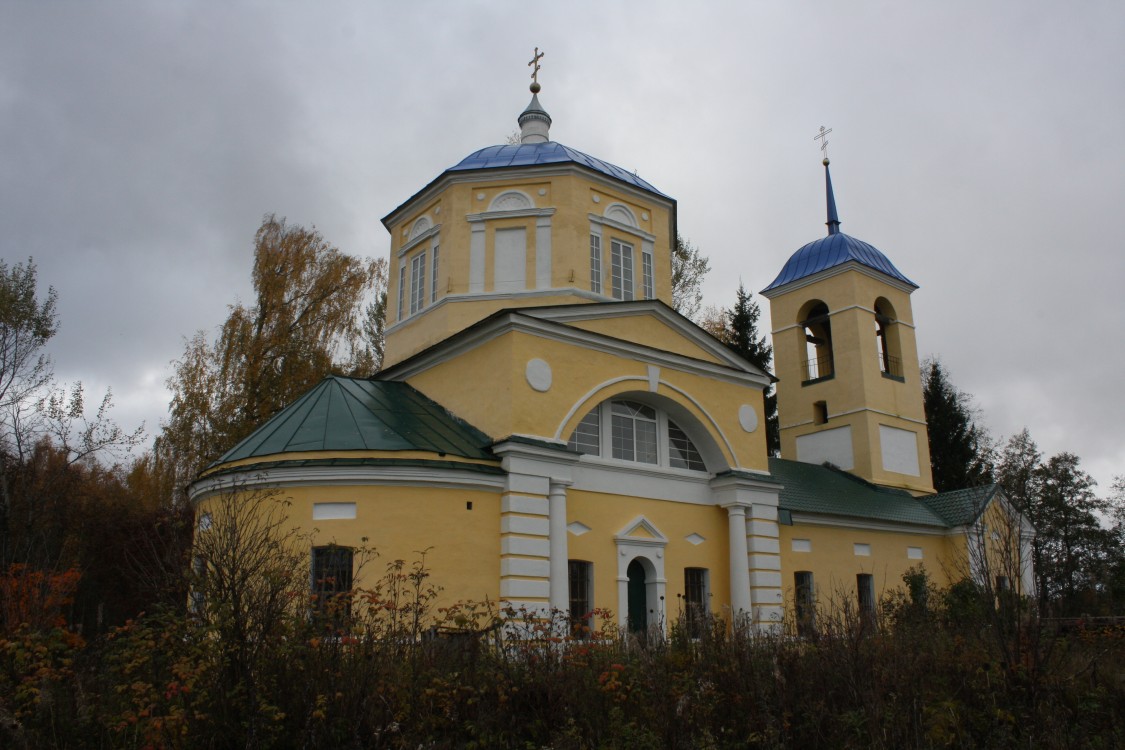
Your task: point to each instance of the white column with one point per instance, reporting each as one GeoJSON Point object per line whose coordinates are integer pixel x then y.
{"type": "Point", "coordinates": [739, 568]}
{"type": "Point", "coordinates": [560, 587]}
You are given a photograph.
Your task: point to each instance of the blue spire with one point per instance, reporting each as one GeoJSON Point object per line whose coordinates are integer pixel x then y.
{"type": "Point", "coordinates": [833, 220]}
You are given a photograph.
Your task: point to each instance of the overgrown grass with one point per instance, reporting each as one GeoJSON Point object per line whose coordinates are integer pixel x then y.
{"type": "Point", "coordinates": [950, 669]}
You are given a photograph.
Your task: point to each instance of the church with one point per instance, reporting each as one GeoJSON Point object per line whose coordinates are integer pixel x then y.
{"type": "Point", "coordinates": [556, 436]}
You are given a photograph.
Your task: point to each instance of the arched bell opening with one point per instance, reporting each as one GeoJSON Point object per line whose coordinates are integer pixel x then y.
{"type": "Point", "coordinates": [888, 345]}
{"type": "Point", "coordinates": [819, 362]}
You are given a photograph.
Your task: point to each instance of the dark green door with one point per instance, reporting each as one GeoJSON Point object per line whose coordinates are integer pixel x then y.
{"type": "Point", "coordinates": [638, 601]}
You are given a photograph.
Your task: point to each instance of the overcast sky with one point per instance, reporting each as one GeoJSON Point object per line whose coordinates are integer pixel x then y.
{"type": "Point", "coordinates": [977, 144]}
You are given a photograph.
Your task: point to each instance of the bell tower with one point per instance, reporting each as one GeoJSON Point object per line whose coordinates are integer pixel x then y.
{"type": "Point", "coordinates": [849, 390]}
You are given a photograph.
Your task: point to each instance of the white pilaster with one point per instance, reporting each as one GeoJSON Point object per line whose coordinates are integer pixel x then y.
{"type": "Point", "coordinates": [543, 252]}
{"type": "Point", "coordinates": [476, 257]}
{"type": "Point", "coordinates": [755, 559]}
{"type": "Point", "coordinates": [560, 586]}
{"type": "Point", "coordinates": [739, 572]}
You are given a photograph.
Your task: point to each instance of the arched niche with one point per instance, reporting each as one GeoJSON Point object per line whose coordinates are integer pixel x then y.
{"type": "Point", "coordinates": [420, 227]}
{"type": "Point", "coordinates": [511, 200]}
{"type": "Point", "coordinates": [621, 213]}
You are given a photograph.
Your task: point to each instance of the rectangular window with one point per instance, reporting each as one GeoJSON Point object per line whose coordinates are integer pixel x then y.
{"type": "Point", "coordinates": [332, 581]}
{"type": "Point", "coordinates": [695, 601]}
{"type": "Point", "coordinates": [333, 511]}
{"type": "Point", "coordinates": [634, 432]}
{"type": "Point", "coordinates": [621, 270]}
{"type": "Point", "coordinates": [434, 273]}
{"type": "Point", "coordinates": [805, 600]}
{"type": "Point", "coordinates": [580, 574]}
{"type": "Point", "coordinates": [587, 437]}
{"type": "Point", "coordinates": [417, 283]}
{"type": "Point", "coordinates": [401, 287]}
{"type": "Point", "coordinates": [596, 263]}
{"type": "Point", "coordinates": [646, 274]}
{"type": "Point", "coordinates": [865, 590]}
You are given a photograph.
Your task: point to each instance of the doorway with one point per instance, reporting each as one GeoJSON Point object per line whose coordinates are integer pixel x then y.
{"type": "Point", "coordinates": [638, 597]}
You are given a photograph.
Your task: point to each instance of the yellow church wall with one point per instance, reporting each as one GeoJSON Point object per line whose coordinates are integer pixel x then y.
{"type": "Point", "coordinates": [607, 515]}
{"type": "Point", "coordinates": [399, 522]}
{"type": "Point", "coordinates": [647, 331]}
{"type": "Point", "coordinates": [582, 378]}
{"type": "Point", "coordinates": [833, 561]}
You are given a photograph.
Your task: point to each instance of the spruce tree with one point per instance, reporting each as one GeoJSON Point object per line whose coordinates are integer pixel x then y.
{"type": "Point", "coordinates": [742, 336]}
{"type": "Point", "coordinates": [960, 449]}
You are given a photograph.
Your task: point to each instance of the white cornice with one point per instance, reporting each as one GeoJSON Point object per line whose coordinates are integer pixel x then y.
{"type": "Point", "coordinates": [322, 476]}
{"type": "Point", "coordinates": [531, 450]}
{"type": "Point", "coordinates": [414, 242]}
{"type": "Point", "coordinates": [525, 173]}
{"type": "Point", "coordinates": [816, 519]}
{"type": "Point", "coordinates": [621, 227]}
{"type": "Point", "coordinates": [517, 297]}
{"type": "Point", "coordinates": [850, 265]}
{"type": "Point", "coordinates": [687, 329]}
{"type": "Point", "coordinates": [518, 213]}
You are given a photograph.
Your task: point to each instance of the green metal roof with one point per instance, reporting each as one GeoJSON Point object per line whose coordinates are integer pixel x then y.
{"type": "Point", "coordinates": [960, 507]}
{"type": "Point", "coordinates": [812, 488]}
{"type": "Point", "coordinates": [342, 414]}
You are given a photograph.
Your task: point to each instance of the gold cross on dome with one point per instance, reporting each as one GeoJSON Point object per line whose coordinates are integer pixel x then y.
{"type": "Point", "coordinates": [822, 136]}
{"type": "Point", "coordinates": [535, 61]}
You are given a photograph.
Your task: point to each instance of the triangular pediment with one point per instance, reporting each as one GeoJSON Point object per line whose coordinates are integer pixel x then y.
{"type": "Point", "coordinates": [647, 330]}
{"type": "Point", "coordinates": [646, 322]}
{"type": "Point", "coordinates": [640, 529]}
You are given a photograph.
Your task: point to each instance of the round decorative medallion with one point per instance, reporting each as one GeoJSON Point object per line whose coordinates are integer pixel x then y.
{"type": "Point", "coordinates": [747, 417]}
{"type": "Point", "coordinates": [538, 374]}
{"type": "Point", "coordinates": [644, 215]}
{"type": "Point", "coordinates": [597, 199]}
{"type": "Point", "coordinates": [480, 196]}
{"type": "Point", "coordinates": [542, 191]}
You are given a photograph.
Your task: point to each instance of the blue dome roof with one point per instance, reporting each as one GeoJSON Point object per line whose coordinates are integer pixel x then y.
{"type": "Point", "coordinates": [831, 251]}
{"type": "Point", "coordinates": [551, 152]}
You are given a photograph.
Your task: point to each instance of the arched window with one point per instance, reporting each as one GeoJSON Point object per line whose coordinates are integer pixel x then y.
{"type": "Point", "coordinates": [819, 360]}
{"type": "Point", "coordinates": [631, 431]}
{"type": "Point", "coordinates": [886, 340]}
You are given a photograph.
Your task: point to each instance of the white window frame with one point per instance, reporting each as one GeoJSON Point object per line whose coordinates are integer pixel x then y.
{"type": "Point", "coordinates": [647, 289]}
{"type": "Point", "coordinates": [595, 263]}
{"type": "Point", "coordinates": [401, 286]}
{"type": "Point", "coordinates": [621, 270]}
{"type": "Point", "coordinates": [663, 447]}
{"type": "Point", "coordinates": [435, 252]}
{"type": "Point", "coordinates": [418, 283]}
